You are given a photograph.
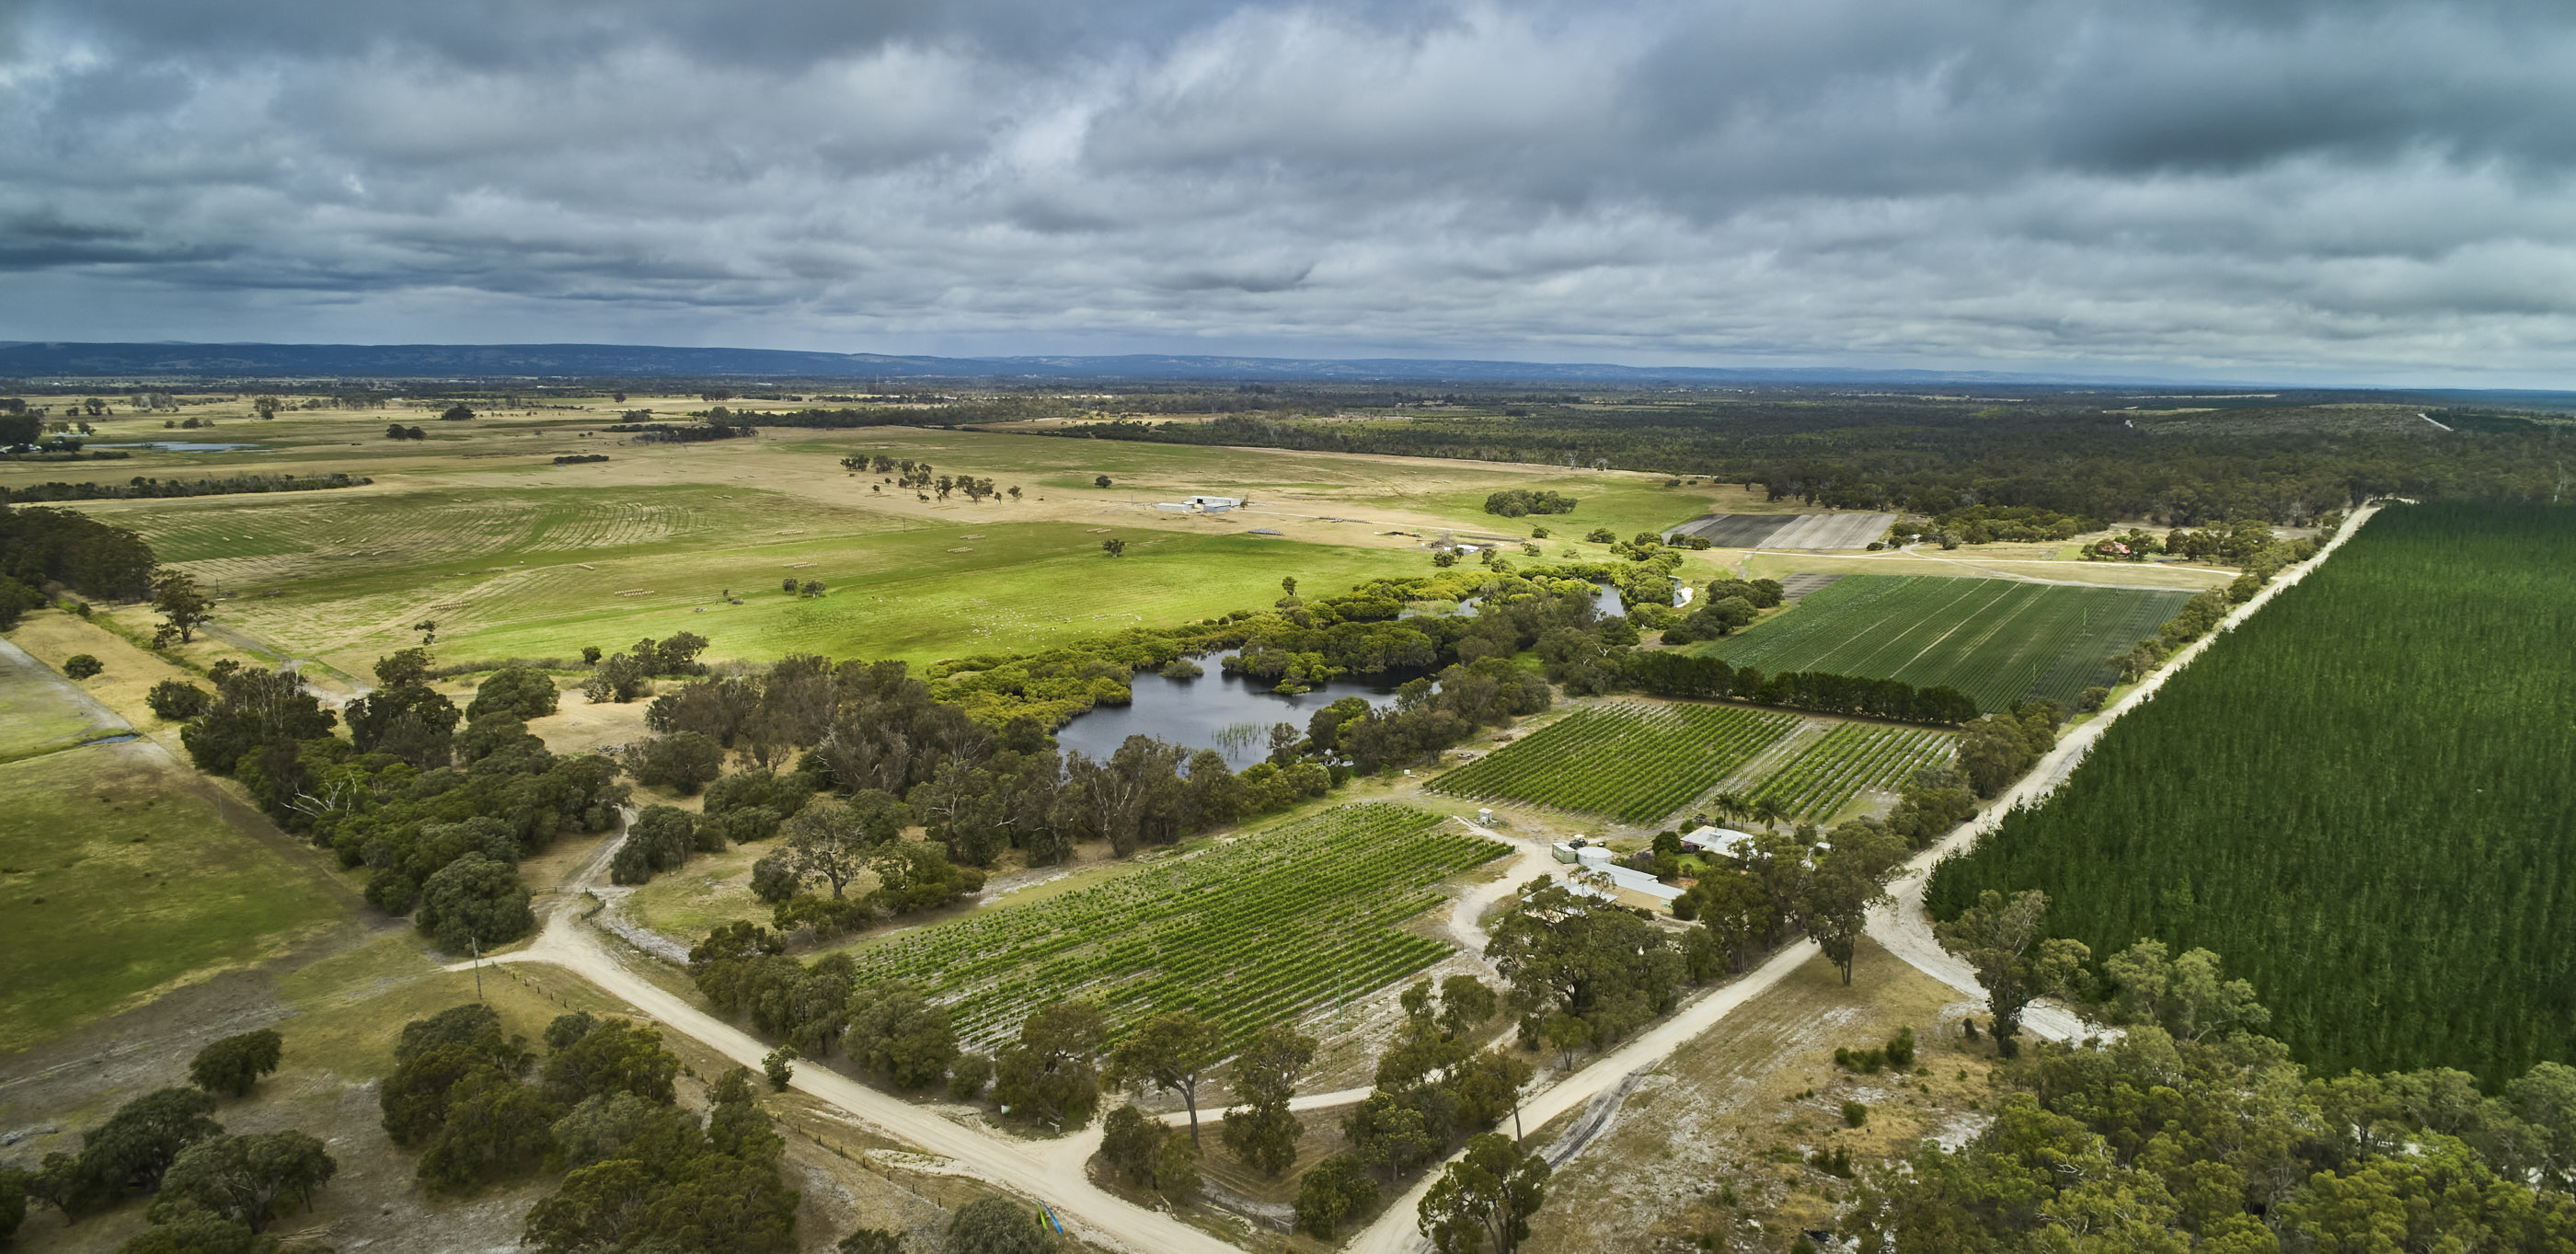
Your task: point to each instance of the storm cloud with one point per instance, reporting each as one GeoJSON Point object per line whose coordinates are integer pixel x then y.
{"type": "Point", "coordinates": [2252, 189]}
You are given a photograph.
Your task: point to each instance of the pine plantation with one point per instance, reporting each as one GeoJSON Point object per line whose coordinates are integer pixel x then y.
{"type": "Point", "coordinates": [2362, 798]}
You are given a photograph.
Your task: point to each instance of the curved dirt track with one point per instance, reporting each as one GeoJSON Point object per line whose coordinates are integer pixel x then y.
{"type": "Point", "coordinates": [1046, 1171]}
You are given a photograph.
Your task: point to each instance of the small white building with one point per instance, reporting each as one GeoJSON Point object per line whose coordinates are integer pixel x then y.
{"type": "Point", "coordinates": [1604, 881]}
{"type": "Point", "coordinates": [1718, 842]}
{"type": "Point", "coordinates": [1579, 853]}
{"type": "Point", "coordinates": [1598, 875]}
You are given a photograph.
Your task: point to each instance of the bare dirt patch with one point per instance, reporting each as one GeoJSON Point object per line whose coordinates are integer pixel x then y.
{"type": "Point", "coordinates": [1737, 1113]}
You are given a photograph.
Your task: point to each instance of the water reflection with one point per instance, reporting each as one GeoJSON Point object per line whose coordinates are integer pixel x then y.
{"type": "Point", "coordinates": [1216, 711]}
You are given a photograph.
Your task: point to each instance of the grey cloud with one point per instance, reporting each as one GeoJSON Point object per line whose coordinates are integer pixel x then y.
{"type": "Point", "coordinates": [2230, 187]}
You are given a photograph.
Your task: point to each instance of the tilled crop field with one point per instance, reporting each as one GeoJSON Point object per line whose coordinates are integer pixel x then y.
{"type": "Point", "coordinates": [1997, 640]}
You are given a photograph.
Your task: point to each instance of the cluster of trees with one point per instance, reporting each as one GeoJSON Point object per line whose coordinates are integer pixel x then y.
{"type": "Point", "coordinates": [892, 755]}
{"type": "Point", "coordinates": [832, 841]}
{"type": "Point", "coordinates": [16, 600]}
{"type": "Point", "coordinates": [1052, 1074]}
{"type": "Point", "coordinates": [716, 428]}
{"type": "Point", "coordinates": [1435, 1087]}
{"type": "Point", "coordinates": [1176, 1052]}
{"type": "Point", "coordinates": [577, 459]}
{"type": "Point", "coordinates": [601, 1107]}
{"type": "Point", "coordinates": [440, 818]}
{"type": "Point", "coordinates": [1822, 884]}
{"type": "Point", "coordinates": [1730, 606]}
{"type": "Point", "coordinates": [41, 547]}
{"type": "Point", "coordinates": [918, 476]}
{"type": "Point", "coordinates": [397, 431]}
{"type": "Point", "coordinates": [627, 674]}
{"type": "Point", "coordinates": [2194, 620]}
{"type": "Point", "coordinates": [142, 488]}
{"type": "Point", "coordinates": [1997, 749]}
{"type": "Point", "coordinates": [1664, 673]}
{"type": "Point", "coordinates": [2189, 1130]}
{"type": "Point", "coordinates": [1985, 524]}
{"type": "Point", "coordinates": [1520, 502]}
{"type": "Point", "coordinates": [210, 1190]}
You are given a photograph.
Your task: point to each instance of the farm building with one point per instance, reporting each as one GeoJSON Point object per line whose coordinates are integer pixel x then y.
{"type": "Point", "coordinates": [1609, 882]}
{"type": "Point", "coordinates": [1579, 852]}
{"type": "Point", "coordinates": [1599, 874]}
{"type": "Point", "coordinates": [1720, 842]}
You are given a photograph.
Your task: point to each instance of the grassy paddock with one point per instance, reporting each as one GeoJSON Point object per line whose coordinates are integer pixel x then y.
{"type": "Point", "coordinates": [476, 529]}
{"type": "Point", "coordinates": [45, 712]}
{"type": "Point", "coordinates": [121, 880]}
{"type": "Point", "coordinates": [1996, 640]}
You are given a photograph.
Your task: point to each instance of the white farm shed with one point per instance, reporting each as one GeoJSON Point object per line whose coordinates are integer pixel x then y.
{"type": "Point", "coordinates": [1606, 880]}
{"type": "Point", "coordinates": [1720, 842]}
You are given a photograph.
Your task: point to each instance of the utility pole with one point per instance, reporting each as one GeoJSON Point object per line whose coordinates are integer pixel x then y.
{"type": "Point", "coordinates": [477, 943]}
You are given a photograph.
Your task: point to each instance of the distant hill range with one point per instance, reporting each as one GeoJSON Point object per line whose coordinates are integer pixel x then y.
{"type": "Point", "coordinates": [37, 360]}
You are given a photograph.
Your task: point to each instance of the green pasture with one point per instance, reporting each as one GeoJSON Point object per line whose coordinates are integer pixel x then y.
{"type": "Point", "coordinates": [1997, 640]}
{"type": "Point", "coordinates": [898, 594]}
{"type": "Point", "coordinates": [470, 530]}
{"type": "Point", "coordinates": [120, 878]}
{"type": "Point", "coordinates": [43, 711]}
{"type": "Point", "coordinates": [1625, 505]}
{"type": "Point", "coordinates": [475, 530]}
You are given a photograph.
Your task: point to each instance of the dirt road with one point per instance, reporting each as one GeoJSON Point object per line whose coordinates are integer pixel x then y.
{"type": "Point", "coordinates": [1046, 1171]}
{"type": "Point", "coordinates": [1395, 1231]}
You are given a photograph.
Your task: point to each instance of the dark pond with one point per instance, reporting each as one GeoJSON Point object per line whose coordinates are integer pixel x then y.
{"type": "Point", "coordinates": [1198, 713]}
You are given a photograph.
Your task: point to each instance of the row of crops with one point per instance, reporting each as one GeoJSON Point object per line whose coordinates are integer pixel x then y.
{"type": "Point", "coordinates": [1250, 933]}
{"type": "Point", "coordinates": [2359, 799]}
{"type": "Point", "coordinates": [1997, 640]}
{"type": "Point", "coordinates": [1838, 766]}
{"type": "Point", "coordinates": [1633, 762]}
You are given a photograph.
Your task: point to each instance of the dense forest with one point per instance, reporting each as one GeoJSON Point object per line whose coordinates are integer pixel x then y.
{"type": "Point", "coordinates": [2065, 455]}
{"type": "Point", "coordinates": [2360, 797]}
{"type": "Point", "coordinates": [2190, 1131]}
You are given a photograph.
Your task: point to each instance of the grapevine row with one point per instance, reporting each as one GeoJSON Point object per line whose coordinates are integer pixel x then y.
{"type": "Point", "coordinates": [1827, 774]}
{"type": "Point", "coordinates": [1633, 762]}
{"type": "Point", "coordinates": [1248, 933]}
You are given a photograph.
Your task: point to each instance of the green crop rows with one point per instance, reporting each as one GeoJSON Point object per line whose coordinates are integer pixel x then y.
{"type": "Point", "coordinates": [1635, 763]}
{"type": "Point", "coordinates": [1830, 772]}
{"type": "Point", "coordinates": [1249, 933]}
{"type": "Point", "coordinates": [2359, 799]}
{"type": "Point", "coordinates": [1996, 640]}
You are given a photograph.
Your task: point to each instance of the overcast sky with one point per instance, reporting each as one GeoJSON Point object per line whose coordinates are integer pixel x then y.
{"type": "Point", "coordinates": [2249, 189]}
